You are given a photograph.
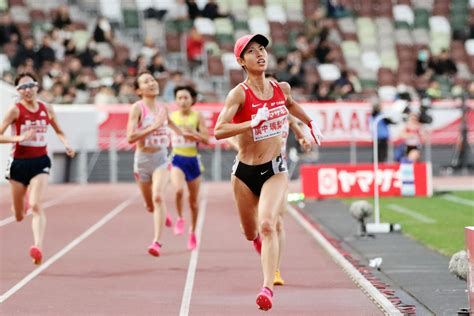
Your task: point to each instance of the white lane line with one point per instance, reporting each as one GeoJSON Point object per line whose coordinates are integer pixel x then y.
{"type": "Point", "coordinates": [380, 300]}
{"type": "Point", "coordinates": [458, 200]}
{"type": "Point", "coordinates": [46, 205]}
{"type": "Point", "coordinates": [188, 287]}
{"type": "Point", "coordinates": [420, 217]}
{"type": "Point", "coordinates": [66, 249]}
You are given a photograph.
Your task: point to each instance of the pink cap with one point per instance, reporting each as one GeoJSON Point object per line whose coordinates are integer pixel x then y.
{"type": "Point", "coordinates": [242, 43]}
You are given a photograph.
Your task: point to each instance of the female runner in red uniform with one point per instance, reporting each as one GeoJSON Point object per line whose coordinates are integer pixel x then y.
{"type": "Point", "coordinates": [256, 111]}
{"type": "Point", "coordinates": [29, 169]}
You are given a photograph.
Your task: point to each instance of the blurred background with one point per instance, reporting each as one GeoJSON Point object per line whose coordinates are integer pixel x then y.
{"type": "Point", "coordinates": [348, 61]}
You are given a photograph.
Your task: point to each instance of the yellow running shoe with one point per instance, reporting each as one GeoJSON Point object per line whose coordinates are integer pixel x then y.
{"type": "Point", "coordinates": [277, 280]}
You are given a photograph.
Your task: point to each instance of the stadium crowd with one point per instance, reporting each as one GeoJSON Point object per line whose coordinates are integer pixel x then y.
{"type": "Point", "coordinates": [99, 68]}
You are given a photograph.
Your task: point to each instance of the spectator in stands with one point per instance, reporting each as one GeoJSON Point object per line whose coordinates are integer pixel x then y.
{"type": "Point", "coordinates": [46, 53]}
{"type": "Point", "coordinates": [57, 92]}
{"type": "Point", "coordinates": [126, 94]}
{"type": "Point", "coordinates": [74, 69]}
{"type": "Point", "coordinates": [26, 50]}
{"type": "Point", "coordinates": [343, 86]}
{"type": "Point", "coordinates": [322, 91]}
{"type": "Point", "coordinates": [302, 45]}
{"type": "Point", "coordinates": [323, 48]}
{"type": "Point", "coordinates": [176, 79]}
{"type": "Point", "coordinates": [57, 43]}
{"type": "Point", "coordinates": [103, 31]}
{"type": "Point", "coordinates": [27, 66]}
{"type": "Point", "coordinates": [211, 10]}
{"type": "Point", "coordinates": [69, 47]}
{"type": "Point", "coordinates": [89, 57]}
{"type": "Point", "coordinates": [434, 90]}
{"type": "Point", "coordinates": [193, 9]}
{"type": "Point", "coordinates": [70, 95]}
{"type": "Point", "coordinates": [157, 67]}
{"type": "Point", "coordinates": [118, 81]}
{"type": "Point", "coordinates": [194, 48]}
{"type": "Point", "coordinates": [105, 95]}
{"type": "Point", "coordinates": [8, 77]}
{"type": "Point", "coordinates": [149, 49]}
{"type": "Point", "coordinates": [313, 26]}
{"type": "Point", "coordinates": [9, 31]}
{"type": "Point", "coordinates": [141, 64]}
{"type": "Point", "coordinates": [383, 132]}
{"type": "Point", "coordinates": [53, 75]}
{"type": "Point", "coordinates": [295, 69]}
{"type": "Point", "coordinates": [470, 90]}
{"type": "Point", "coordinates": [335, 9]}
{"type": "Point", "coordinates": [423, 63]}
{"type": "Point", "coordinates": [444, 65]}
{"type": "Point", "coordinates": [282, 72]}
{"type": "Point", "coordinates": [61, 17]}
{"type": "Point", "coordinates": [179, 11]}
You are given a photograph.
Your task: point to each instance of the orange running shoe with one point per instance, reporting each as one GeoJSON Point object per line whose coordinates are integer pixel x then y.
{"type": "Point", "coordinates": [257, 243]}
{"type": "Point", "coordinates": [277, 280]}
{"type": "Point", "coordinates": [154, 249]}
{"type": "Point", "coordinates": [264, 299]}
{"type": "Point", "coordinates": [36, 254]}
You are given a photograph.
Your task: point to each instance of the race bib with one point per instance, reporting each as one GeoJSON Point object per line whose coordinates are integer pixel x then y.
{"type": "Point", "coordinates": [157, 139]}
{"type": "Point", "coordinates": [274, 126]}
{"type": "Point", "coordinates": [179, 141]}
{"type": "Point", "coordinates": [40, 127]}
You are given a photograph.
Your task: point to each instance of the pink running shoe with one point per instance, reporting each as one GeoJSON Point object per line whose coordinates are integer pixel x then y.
{"type": "Point", "coordinates": [169, 221]}
{"type": "Point", "coordinates": [257, 243]}
{"type": "Point", "coordinates": [36, 254]}
{"type": "Point", "coordinates": [264, 299]}
{"type": "Point", "coordinates": [179, 227]}
{"type": "Point", "coordinates": [192, 241]}
{"type": "Point", "coordinates": [154, 249]}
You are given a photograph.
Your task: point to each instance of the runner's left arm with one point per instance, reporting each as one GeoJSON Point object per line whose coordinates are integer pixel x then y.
{"type": "Point", "coordinates": [297, 111]}
{"type": "Point", "coordinates": [62, 137]}
{"type": "Point", "coordinates": [299, 134]}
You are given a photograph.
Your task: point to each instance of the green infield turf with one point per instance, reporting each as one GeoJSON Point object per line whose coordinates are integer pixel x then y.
{"type": "Point", "coordinates": [438, 221]}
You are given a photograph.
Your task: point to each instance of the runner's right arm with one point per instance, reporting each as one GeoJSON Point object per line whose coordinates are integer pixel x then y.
{"type": "Point", "coordinates": [10, 117]}
{"type": "Point", "coordinates": [133, 133]}
{"type": "Point", "coordinates": [17, 138]}
{"type": "Point", "coordinates": [224, 127]}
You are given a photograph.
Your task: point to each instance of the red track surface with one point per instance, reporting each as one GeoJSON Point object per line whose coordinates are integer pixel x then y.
{"type": "Point", "coordinates": [110, 272]}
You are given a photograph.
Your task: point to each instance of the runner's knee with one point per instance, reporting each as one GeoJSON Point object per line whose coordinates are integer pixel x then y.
{"type": "Point", "coordinates": [35, 208]}
{"type": "Point", "coordinates": [157, 199]}
{"type": "Point", "coordinates": [193, 203]}
{"type": "Point", "coordinates": [266, 228]}
{"type": "Point", "coordinates": [179, 193]}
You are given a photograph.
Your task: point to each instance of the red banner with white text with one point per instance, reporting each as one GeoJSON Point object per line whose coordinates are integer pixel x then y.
{"type": "Point", "coordinates": [342, 180]}
{"type": "Point", "coordinates": [340, 122]}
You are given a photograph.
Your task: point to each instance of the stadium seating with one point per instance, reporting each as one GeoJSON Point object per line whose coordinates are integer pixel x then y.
{"type": "Point", "coordinates": [377, 40]}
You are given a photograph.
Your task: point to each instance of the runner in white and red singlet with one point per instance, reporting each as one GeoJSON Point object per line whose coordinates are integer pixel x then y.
{"type": "Point", "coordinates": [147, 127]}
{"type": "Point", "coordinates": [255, 112]}
{"type": "Point", "coordinates": [29, 169]}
